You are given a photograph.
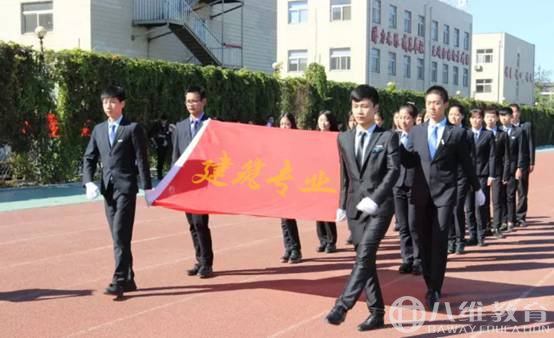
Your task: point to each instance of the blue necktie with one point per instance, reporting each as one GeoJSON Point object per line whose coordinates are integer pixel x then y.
{"type": "Point", "coordinates": [111, 134]}
{"type": "Point", "coordinates": [433, 140]}
{"type": "Point", "coordinates": [194, 128]}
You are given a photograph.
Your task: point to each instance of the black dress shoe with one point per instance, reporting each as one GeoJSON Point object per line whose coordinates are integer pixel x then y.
{"type": "Point", "coordinates": [432, 298]}
{"type": "Point", "coordinates": [374, 321]}
{"type": "Point", "coordinates": [130, 286]}
{"type": "Point", "coordinates": [321, 248]}
{"type": "Point", "coordinates": [194, 270]}
{"type": "Point", "coordinates": [451, 247]}
{"type": "Point", "coordinates": [336, 315]}
{"type": "Point", "coordinates": [471, 241]}
{"type": "Point", "coordinates": [460, 248]}
{"type": "Point", "coordinates": [285, 258]}
{"type": "Point", "coordinates": [349, 240]}
{"type": "Point", "coordinates": [205, 271]}
{"type": "Point", "coordinates": [498, 234]}
{"type": "Point", "coordinates": [295, 256]}
{"type": "Point", "coordinates": [330, 248]}
{"type": "Point", "coordinates": [417, 269]}
{"type": "Point", "coordinates": [114, 289]}
{"type": "Point", "coordinates": [405, 268]}
{"type": "Point", "coordinates": [522, 223]}
{"type": "Point", "coordinates": [482, 243]}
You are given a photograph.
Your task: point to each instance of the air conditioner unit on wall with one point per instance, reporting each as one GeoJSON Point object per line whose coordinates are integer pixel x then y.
{"type": "Point", "coordinates": [478, 68]}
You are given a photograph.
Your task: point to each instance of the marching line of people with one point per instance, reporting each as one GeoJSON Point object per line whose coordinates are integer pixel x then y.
{"type": "Point", "coordinates": [437, 177]}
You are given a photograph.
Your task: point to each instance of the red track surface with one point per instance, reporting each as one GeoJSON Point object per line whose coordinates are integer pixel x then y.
{"type": "Point", "coordinates": [55, 262]}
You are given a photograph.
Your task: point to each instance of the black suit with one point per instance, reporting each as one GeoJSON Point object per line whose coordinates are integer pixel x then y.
{"type": "Point", "coordinates": [434, 193]}
{"type": "Point", "coordinates": [485, 162]}
{"type": "Point", "coordinates": [198, 224]}
{"type": "Point", "coordinates": [373, 178]}
{"type": "Point", "coordinates": [458, 229]}
{"type": "Point", "coordinates": [523, 183]}
{"type": "Point", "coordinates": [501, 174]}
{"type": "Point", "coordinates": [519, 159]}
{"type": "Point", "coordinates": [122, 162]}
{"type": "Point", "coordinates": [409, 242]}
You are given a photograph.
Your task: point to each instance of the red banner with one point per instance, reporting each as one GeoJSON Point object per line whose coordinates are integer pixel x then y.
{"type": "Point", "coordinates": [233, 168]}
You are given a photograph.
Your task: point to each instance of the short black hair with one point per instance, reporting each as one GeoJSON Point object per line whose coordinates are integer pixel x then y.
{"type": "Point", "coordinates": [476, 111]}
{"type": "Point", "coordinates": [411, 108]}
{"type": "Point", "coordinates": [491, 110]}
{"type": "Point", "coordinates": [290, 117]}
{"type": "Point", "coordinates": [515, 105]}
{"type": "Point", "coordinates": [363, 92]}
{"type": "Point", "coordinates": [505, 111]}
{"type": "Point", "coordinates": [460, 108]}
{"type": "Point", "coordinates": [113, 91]}
{"type": "Point", "coordinates": [439, 90]}
{"type": "Point", "coordinates": [196, 89]}
{"type": "Point", "coordinates": [331, 118]}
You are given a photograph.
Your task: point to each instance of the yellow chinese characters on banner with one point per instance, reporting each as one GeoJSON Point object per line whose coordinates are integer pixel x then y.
{"type": "Point", "coordinates": [214, 173]}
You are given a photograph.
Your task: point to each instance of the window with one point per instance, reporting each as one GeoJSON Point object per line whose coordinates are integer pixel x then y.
{"type": "Point", "coordinates": [298, 11]}
{"type": "Point", "coordinates": [298, 60]}
{"type": "Point", "coordinates": [34, 14]}
{"type": "Point", "coordinates": [421, 26]}
{"type": "Point", "coordinates": [375, 60]}
{"type": "Point", "coordinates": [340, 10]}
{"type": "Point", "coordinates": [420, 69]}
{"type": "Point", "coordinates": [407, 66]}
{"type": "Point", "coordinates": [392, 16]}
{"type": "Point", "coordinates": [340, 59]}
{"type": "Point", "coordinates": [465, 79]}
{"type": "Point", "coordinates": [456, 37]}
{"type": "Point", "coordinates": [435, 30]}
{"type": "Point", "coordinates": [445, 73]}
{"type": "Point", "coordinates": [434, 71]}
{"type": "Point", "coordinates": [376, 11]}
{"type": "Point", "coordinates": [483, 85]}
{"type": "Point", "coordinates": [455, 75]}
{"type": "Point", "coordinates": [466, 40]}
{"type": "Point", "coordinates": [407, 22]}
{"type": "Point", "coordinates": [446, 35]}
{"type": "Point", "coordinates": [392, 63]}
{"type": "Point", "coordinates": [484, 56]}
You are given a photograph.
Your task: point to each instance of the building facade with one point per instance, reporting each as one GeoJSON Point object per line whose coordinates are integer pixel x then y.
{"type": "Point", "coordinates": [503, 69]}
{"type": "Point", "coordinates": [414, 44]}
{"type": "Point", "coordinates": [234, 33]}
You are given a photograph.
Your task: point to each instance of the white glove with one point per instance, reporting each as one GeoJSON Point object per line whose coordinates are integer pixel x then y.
{"type": "Point", "coordinates": [480, 197]}
{"type": "Point", "coordinates": [92, 190]}
{"type": "Point", "coordinates": [367, 205]}
{"type": "Point", "coordinates": [341, 215]}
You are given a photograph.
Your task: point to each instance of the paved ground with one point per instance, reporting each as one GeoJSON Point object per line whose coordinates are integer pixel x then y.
{"type": "Point", "coordinates": [55, 261]}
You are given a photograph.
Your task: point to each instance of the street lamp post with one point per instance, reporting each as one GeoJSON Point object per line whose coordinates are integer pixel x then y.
{"type": "Point", "coordinates": [40, 32]}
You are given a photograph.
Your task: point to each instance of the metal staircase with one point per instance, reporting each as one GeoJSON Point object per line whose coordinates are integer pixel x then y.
{"type": "Point", "coordinates": [190, 28]}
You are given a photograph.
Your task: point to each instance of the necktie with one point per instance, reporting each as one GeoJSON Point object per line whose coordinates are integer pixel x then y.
{"type": "Point", "coordinates": [111, 134]}
{"type": "Point", "coordinates": [433, 140]}
{"type": "Point", "coordinates": [194, 128]}
{"type": "Point", "coordinates": [476, 136]}
{"type": "Point", "coordinates": [360, 153]}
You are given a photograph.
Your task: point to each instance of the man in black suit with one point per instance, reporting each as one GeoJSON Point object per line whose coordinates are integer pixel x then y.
{"type": "Point", "coordinates": [185, 131]}
{"type": "Point", "coordinates": [121, 147]}
{"type": "Point", "coordinates": [523, 182]}
{"type": "Point", "coordinates": [519, 164]}
{"type": "Point", "coordinates": [369, 161]}
{"type": "Point", "coordinates": [437, 148]}
{"type": "Point", "coordinates": [409, 241]}
{"type": "Point", "coordinates": [501, 167]}
{"type": "Point", "coordinates": [484, 156]}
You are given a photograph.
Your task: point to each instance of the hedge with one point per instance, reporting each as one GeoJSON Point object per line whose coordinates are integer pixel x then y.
{"type": "Point", "coordinates": [47, 107]}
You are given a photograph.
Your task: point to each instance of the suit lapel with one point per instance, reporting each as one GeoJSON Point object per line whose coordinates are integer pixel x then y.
{"type": "Point", "coordinates": [372, 140]}
{"type": "Point", "coordinates": [350, 139]}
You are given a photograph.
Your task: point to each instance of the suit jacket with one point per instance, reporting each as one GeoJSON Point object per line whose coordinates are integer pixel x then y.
{"type": "Point", "coordinates": [182, 137]}
{"type": "Point", "coordinates": [377, 176]}
{"type": "Point", "coordinates": [470, 143]}
{"type": "Point", "coordinates": [502, 155]}
{"type": "Point", "coordinates": [529, 131]}
{"type": "Point", "coordinates": [519, 150]}
{"type": "Point", "coordinates": [406, 175]}
{"type": "Point", "coordinates": [485, 162]}
{"type": "Point", "coordinates": [438, 177]}
{"type": "Point", "coordinates": [122, 161]}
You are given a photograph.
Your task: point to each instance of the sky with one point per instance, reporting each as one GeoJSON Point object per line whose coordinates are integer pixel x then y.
{"type": "Point", "coordinates": [530, 20]}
